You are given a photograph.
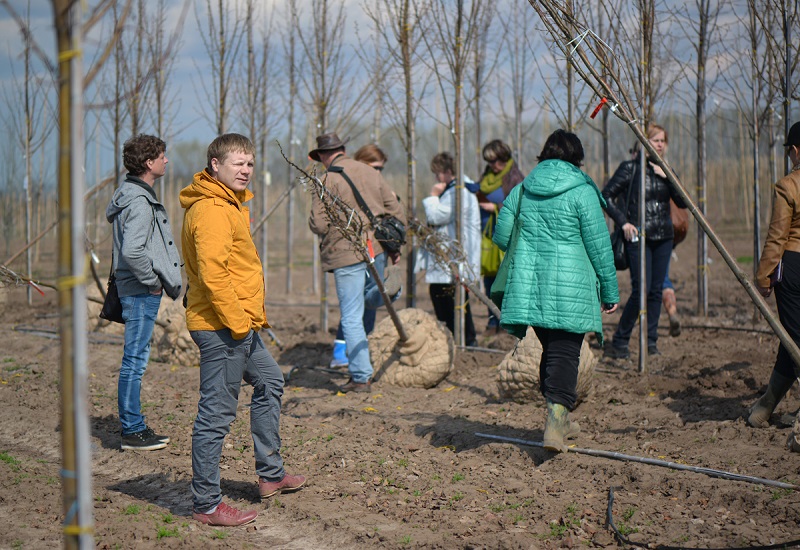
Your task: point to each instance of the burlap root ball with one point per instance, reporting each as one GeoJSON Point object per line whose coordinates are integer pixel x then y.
{"type": "Point", "coordinates": [174, 345]}
{"type": "Point", "coordinates": [518, 373]}
{"type": "Point", "coordinates": [423, 361]}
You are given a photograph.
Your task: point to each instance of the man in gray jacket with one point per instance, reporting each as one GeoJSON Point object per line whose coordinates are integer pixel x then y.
{"type": "Point", "coordinates": [146, 264]}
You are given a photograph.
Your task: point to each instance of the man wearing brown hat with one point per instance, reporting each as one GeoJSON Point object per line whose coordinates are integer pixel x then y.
{"type": "Point", "coordinates": [338, 255]}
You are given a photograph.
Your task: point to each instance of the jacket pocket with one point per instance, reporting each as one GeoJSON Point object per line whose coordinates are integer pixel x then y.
{"type": "Point", "coordinates": [250, 286]}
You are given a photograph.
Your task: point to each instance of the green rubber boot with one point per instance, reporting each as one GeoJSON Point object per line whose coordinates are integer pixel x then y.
{"type": "Point", "coordinates": [557, 427]}
{"type": "Point", "coordinates": [762, 409]}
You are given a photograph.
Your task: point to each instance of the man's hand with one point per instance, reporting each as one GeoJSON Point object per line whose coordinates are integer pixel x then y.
{"type": "Point", "coordinates": [438, 189]}
{"type": "Point", "coordinates": [395, 257]}
{"type": "Point", "coordinates": [488, 206]}
{"type": "Point", "coordinates": [157, 292]}
{"type": "Point", "coordinates": [765, 292]}
{"type": "Point", "coordinates": [609, 308]}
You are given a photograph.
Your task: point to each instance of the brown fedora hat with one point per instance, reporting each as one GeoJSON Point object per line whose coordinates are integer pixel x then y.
{"type": "Point", "coordinates": [327, 142]}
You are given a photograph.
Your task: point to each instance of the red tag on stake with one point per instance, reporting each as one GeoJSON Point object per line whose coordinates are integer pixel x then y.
{"type": "Point", "coordinates": [599, 106]}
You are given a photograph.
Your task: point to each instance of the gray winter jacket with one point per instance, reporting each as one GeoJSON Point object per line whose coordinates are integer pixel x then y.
{"type": "Point", "coordinates": [146, 258]}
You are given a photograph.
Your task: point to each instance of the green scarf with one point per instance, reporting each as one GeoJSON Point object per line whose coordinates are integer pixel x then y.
{"type": "Point", "coordinates": [491, 181]}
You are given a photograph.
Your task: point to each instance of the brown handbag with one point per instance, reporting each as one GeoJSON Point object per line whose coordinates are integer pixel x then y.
{"type": "Point", "coordinates": [680, 222]}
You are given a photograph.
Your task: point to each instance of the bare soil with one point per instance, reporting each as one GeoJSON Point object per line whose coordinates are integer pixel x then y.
{"type": "Point", "coordinates": [404, 467]}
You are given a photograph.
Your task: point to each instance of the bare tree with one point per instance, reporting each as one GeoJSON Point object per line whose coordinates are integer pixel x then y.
{"type": "Point", "coordinates": [699, 22]}
{"type": "Point", "coordinates": [452, 38]}
{"type": "Point", "coordinates": [31, 119]}
{"type": "Point", "coordinates": [292, 62]}
{"type": "Point", "coordinates": [221, 31]}
{"type": "Point", "coordinates": [400, 25]}
{"type": "Point", "coordinates": [515, 80]}
{"type": "Point", "coordinates": [484, 56]}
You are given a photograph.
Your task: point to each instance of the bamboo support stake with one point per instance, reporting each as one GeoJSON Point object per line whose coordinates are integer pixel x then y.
{"type": "Point", "coordinates": [578, 52]}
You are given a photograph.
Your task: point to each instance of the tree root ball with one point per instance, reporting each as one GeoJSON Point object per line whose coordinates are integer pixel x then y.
{"type": "Point", "coordinates": [174, 344]}
{"type": "Point", "coordinates": [518, 373]}
{"type": "Point", "coordinates": [422, 361]}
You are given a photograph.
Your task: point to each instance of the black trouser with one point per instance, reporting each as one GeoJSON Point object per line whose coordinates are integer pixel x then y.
{"type": "Point", "coordinates": [558, 369]}
{"type": "Point", "coordinates": [657, 256]}
{"type": "Point", "coordinates": [787, 296]}
{"type": "Point", "coordinates": [444, 304]}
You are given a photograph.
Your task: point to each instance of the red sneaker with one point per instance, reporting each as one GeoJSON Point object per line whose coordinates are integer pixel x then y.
{"type": "Point", "coordinates": [288, 484]}
{"type": "Point", "coordinates": [226, 516]}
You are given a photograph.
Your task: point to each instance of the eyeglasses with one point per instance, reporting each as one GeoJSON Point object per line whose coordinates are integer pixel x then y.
{"type": "Point", "coordinates": [378, 168]}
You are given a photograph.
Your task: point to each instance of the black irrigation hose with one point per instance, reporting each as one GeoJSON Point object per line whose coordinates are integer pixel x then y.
{"type": "Point", "coordinates": [711, 472]}
{"type": "Point", "coordinates": [625, 541]}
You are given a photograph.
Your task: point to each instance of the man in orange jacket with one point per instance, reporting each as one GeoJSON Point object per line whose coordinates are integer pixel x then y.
{"type": "Point", "coordinates": [224, 312]}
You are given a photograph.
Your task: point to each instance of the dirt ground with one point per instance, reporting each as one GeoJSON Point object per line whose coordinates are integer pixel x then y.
{"type": "Point", "coordinates": [404, 467]}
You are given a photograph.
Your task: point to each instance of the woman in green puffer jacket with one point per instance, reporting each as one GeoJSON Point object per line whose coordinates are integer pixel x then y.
{"type": "Point", "coordinates": [561, 272]}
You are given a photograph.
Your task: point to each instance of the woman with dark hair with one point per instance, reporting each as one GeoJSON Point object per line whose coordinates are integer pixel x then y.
{"type": "Point", "coordinates": [658, 234]}
{"type": "Point", "coordinates": [500, 176]}
{"type": "Point", "coordinates": [561, 272]}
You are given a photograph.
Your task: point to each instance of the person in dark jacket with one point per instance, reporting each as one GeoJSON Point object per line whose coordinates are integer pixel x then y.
{"type": "Point", "coordinates": [146, 264]}
{"type": "Point", "coordinates": [561, 273]}
{"type": "Point", "coordinates": [658, 234]}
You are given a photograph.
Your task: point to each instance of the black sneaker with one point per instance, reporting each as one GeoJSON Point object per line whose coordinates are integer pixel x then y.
{"type": "Point", "coordinates": [145, 440]}
{"type": "Point", "coordinates": [652, 350]}
{"type": "Point", "coordinates": [614, 352]}
{"type": "Point", "coordinates": [149, 433]}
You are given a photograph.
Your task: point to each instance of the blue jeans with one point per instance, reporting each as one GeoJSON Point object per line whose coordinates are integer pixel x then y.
{"type": "Point", "coordinates": [139, 313]}
{"type": "Point", "coordinates": [350, 283]}
{"type": "Point", "coordinates": [224, 363]}
{"type": "Point", "coordinates": [657, 258]}
{"type": "Point", "coordinates": [372, 297]}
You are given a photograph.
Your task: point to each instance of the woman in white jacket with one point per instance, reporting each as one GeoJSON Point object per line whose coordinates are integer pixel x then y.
{"type": "Point", "coordinates": [440, 210]}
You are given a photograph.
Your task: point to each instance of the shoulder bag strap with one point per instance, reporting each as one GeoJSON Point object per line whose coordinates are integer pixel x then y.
{"type": "Point", "coordinates": [515, 229]}
{"type": "Point", "coordinates": [359, 198]}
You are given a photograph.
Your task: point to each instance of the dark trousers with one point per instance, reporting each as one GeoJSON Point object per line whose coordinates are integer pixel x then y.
{"type": "Point", "coordinates": [787, 296]}
{"type": "Point", "coordinates": [656, 268]}
{"type": "Point", "coordinates": [558, 369]}
{"type": "Point", "coordinates": [444, 304]}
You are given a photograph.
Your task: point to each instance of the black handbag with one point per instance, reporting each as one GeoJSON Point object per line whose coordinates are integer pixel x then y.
{"type": "Point", "coordinates": [112, 307]}
{"type": "Point", "coordinates": [389, 231]}
{"type": "Point", "coordinates": [618, 236]}
{"type": "Point", "coordinates": [618, 247]}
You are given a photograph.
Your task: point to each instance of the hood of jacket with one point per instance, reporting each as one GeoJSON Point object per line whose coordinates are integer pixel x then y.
{"type": "Point", "coordinates": [132, 188]}
{"type": "Point", "coordinates": [205, 186]}
{"type": "Point", "coordinates": [554, 177]}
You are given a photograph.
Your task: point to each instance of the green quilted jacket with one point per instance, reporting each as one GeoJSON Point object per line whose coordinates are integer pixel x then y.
{"type": "Point", "coordinates": [562, 267]}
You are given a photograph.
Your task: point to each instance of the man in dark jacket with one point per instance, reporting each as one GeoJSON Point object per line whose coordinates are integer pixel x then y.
{"type": "Point", "coordinates": [146, 264]}
{"type": "Point", "coordinates": [338, 255]}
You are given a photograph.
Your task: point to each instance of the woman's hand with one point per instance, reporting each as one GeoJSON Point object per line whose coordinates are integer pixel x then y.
{"type": "Point", "coordinates": [609, 308]}
{"type": "Point", "coordinates": [658, 170]}
{"type": "Point", "coordinates": [438, 189]}
{"type": "Point", "coordinates": [488, 206]}
{"type": "Point", "coordinates": [630, 231]}
{"type": "Point", "coordinates": [765, 292]}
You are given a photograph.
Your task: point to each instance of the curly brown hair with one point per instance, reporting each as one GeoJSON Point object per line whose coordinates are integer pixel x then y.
{"type": "Point", "coordinates": [138, 150]}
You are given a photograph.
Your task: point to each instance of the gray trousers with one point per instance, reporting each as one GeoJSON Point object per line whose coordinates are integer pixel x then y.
{"type": "Point", "coordinates": [224, 363]}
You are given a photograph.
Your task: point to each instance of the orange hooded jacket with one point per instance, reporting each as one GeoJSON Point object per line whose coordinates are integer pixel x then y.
{"type": "Point", "coordinates": [226, 282]}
